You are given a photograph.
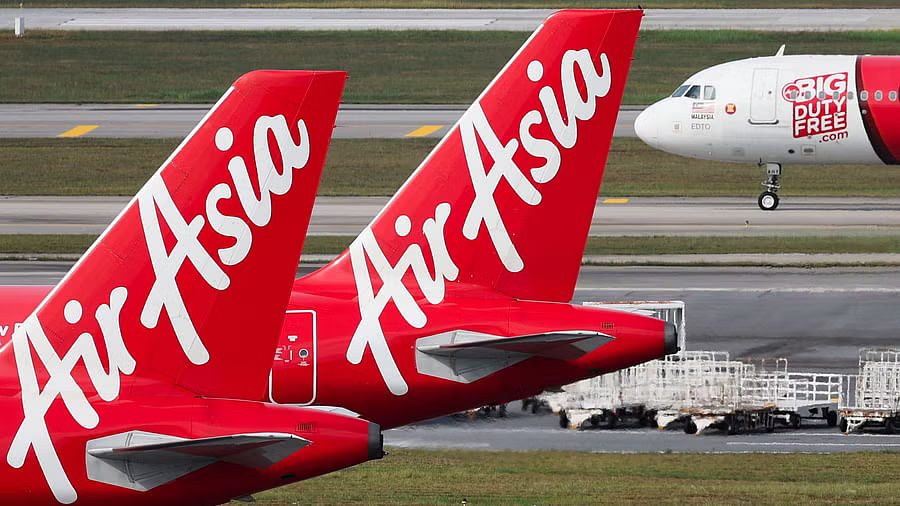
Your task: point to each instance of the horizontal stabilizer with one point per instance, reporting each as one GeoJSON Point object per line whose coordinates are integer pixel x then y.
{"type": "Point", "coordinates": [465, 356]}
{"type": "Point", "coordinates": [563, 345]}
{"type": "Point", "coordinates": [142, 460]}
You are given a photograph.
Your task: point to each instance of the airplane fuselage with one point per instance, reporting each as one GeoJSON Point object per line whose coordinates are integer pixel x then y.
{"type": "Point", "coordinates": [804, 109]}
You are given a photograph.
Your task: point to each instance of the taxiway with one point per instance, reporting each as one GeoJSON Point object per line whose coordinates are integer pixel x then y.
{"type": "Point", "coordinates": [524, 431]}
{"type": "Point", "coordinates": [612, 217]}
{"type": "Point", "coordinates": [354, 121]}
{"type": "Point", "coordinates": [437, 19]}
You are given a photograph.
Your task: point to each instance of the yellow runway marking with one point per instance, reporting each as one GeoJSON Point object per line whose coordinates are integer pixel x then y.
{"type": "Point", "coordinates": [424, 130]}
{"type": "Point", "coordinates": [615, 201]}
{"type": "Point", "coordinates": [78, 131]}
{"type": "Point", "coordinates": [146, 105]}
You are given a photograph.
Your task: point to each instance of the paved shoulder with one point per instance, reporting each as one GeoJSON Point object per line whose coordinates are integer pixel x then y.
{"type": "Point", "coordinates": [436, 19]}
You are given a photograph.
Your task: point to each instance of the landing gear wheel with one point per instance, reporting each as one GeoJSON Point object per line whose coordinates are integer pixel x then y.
{"type": "Point", "coordinates": [690, 427]}
{"type": "Point", "coordinates": [831, 418]}
{"type": "Point", "coordinates": [563, 420]}
{"type": "Point", "coordinates": [768, 201]}
{"type": "Point", "coordinates": [844, 425]}
{"type": "Point", "coordinates": [731, 425]}
{"type": "Point", "coordinates": [795, 421]}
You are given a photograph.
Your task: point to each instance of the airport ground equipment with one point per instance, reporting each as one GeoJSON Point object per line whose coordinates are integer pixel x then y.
{"type": "Point", "coordinates": [871, 398]}
{"type": "Point", "coordinates": [610, 398]}
{"type": "Point", "coordinates": [698, 389]}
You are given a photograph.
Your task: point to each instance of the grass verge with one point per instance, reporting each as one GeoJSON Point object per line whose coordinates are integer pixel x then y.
{"type": "Point", "coordinates": [614, 245]}
{"type": "Point", "coordinates": [385, 66]}
{"type": "Point", "coordinates": [96, 166]}
{"type": "Point", "coordinates": [409, 476]}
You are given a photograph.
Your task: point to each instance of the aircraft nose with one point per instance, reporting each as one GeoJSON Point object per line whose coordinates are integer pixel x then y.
{"type": "Point", "coordinates": [646, 126]}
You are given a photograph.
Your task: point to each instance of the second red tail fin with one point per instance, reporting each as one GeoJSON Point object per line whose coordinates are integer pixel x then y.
{"type": "Point", "coordinates": [506, 198]}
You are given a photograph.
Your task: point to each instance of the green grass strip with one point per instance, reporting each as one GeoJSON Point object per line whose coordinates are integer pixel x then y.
{"type": "Point", "coordinates": [45, 243]}
{"type": "Point", "coordinates": [613, 245]}
{"type": "Point", "coordinates": [385, 66]}
{"type": "Point", "coordinates": [97, 166]}
{"type": "Point", "coordinates": [409, 476]}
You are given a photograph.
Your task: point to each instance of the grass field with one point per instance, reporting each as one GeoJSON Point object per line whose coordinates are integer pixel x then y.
{"type": "Point", "coordinates": [384, 66]}
{"type": "Point", "coordinates": [88, 166]}
{"type": "Point", "coordinates": [551, 477]}
{"type": "Point", "coordinates": [460, 4]}
{"type": "Point", "coordinates": [14, 244]}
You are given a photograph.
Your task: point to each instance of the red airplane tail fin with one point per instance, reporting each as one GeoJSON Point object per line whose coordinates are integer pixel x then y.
{"type": "Point", "coordinates": [507, 197]}
{"type": "Point", "coordinates": [188, 285]}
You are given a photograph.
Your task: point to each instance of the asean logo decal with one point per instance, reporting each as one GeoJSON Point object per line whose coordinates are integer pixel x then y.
{"type": "Point", "coordinates": [730, 108]}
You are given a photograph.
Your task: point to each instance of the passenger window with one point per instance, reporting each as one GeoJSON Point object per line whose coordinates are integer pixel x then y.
{"type": "Point", "coordinates": [807, 95]}
{"type": "Point", "coordinates": [821, 95]}
{"type": "Point", "coordinates": [849, 95]}
{"type": "Point", "coordinates": [694, 92]}
{"type": "Point", "coordinates": [836, 95]}
{"type": "Point", "coordinates": [793, 94]}
{"type": "Point", "coordinates": [878, 95]}
{"type": "Point", "coordinates": [709, 93]}
{"type": "Point", "coordinates": [864, 95]}
{"type": "Point", "coordinates": [893, 96]}
{"type": "Point", "coordinates": [680, 91]}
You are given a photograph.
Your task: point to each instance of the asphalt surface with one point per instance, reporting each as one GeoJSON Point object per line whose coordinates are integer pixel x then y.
{"type": "Point", "coordinates": [436, 19]}
{"type": "Point", "coordinates": [637, 217]}
{"type": "Point", "coordinates": [359, 121]}
{"type": "Point", "coordinates": [525, 431]}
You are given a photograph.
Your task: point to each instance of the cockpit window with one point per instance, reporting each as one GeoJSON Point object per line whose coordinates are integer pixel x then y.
{"type": "Point", "coordinates": [693, 92]}
{"type": "Point", "coordinates": [680, 91]}
{"type": "Point", "coordinates": [709, 93]}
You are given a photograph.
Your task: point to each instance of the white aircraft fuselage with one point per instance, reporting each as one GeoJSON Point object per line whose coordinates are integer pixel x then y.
{"type": "Point", "coordinates": [776, 110]}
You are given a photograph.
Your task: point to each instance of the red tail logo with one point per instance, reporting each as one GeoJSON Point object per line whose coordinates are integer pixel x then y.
{"type": "Point", "coordinates": [474, 126]}
{"type": "Point", "coordinates": [136, 271]}
{"type": "Point", "coordinates": [504, 202]}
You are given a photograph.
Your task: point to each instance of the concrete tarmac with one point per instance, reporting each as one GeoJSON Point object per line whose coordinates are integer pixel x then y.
{"type": "Point", "coordinates": [354, 121]}
{"type": "Point", "coordinates": [525, 431]}
{"type": "Point", "coordinates": [638, 217]}
{"type": "Point", "coordinates": [436, 19]}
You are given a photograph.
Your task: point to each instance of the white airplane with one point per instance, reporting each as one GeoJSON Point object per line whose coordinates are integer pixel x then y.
{"type": "Point", "coordinates": [776, 110]}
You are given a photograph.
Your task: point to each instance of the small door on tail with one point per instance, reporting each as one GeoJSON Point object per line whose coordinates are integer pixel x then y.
{"type": "Point", "coordinates": [297, 351]}
{"type": "Point", "coordinates": [763, 97]}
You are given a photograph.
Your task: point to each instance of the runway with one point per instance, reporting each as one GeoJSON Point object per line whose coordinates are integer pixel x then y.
{"type": "Point", "coordinates": [436, 19]}
{"type": "Point", "coordinates": [642, 216]}
{"type": "Point", "coordinates": [354, 121]}
{"type": "Point", "coordinates": [525, 431]}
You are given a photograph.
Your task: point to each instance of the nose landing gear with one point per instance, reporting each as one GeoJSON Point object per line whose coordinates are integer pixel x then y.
{"type": "Point", "coordinates": [768, 200]}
